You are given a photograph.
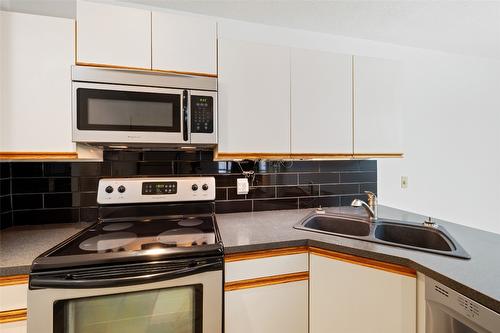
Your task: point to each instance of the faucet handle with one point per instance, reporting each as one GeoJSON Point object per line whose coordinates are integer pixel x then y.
{"type": "Point", "coordinates": [372, 198]}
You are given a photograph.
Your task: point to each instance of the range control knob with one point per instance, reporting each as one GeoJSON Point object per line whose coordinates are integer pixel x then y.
{"type": "Point", "coordinates": [204, 187]}
{"type": "Point", "coordinates": [121, 189]}
{"type": "Point", "coordinates": [194, 187]}
{"type": "Point", "coordinates": [109, 189]}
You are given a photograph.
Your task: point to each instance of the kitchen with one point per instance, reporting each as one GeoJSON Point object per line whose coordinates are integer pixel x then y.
{"type": "Point", "coordinates": [171, 166]}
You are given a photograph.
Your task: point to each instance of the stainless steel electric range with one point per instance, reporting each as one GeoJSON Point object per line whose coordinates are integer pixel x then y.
{"type": "Point", "coordinates": [152, 263]}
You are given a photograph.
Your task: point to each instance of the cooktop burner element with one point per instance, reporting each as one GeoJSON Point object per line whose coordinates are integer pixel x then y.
{"type": "Point", "coordinates": [143, 222]}
{"type": "Point", "coordinates": [191, 222]}
{"type": "Point", "coordinates": [117, 226]}
{"type": "Point", "coordinates": [112, 241]}
{"type": "Point", "coordinates": [185, 237]}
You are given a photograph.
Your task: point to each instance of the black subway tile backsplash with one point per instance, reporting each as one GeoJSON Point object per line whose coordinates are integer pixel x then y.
{"type": "Point", "coordinates": [57, 192]}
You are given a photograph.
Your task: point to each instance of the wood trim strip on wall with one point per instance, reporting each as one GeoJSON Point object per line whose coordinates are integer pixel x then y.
{"type": "Point", "coordinates": [299, 156]}
{"type": "Point", "coordinates": [320, 156]}
{"type": "Point", "coordinates": [265, 253]}
{"type": "Point", "coordinates": [79, 63]}
{"type": "Point", "coordinates": [13, 315]}
{"type": "Point", "coordinates": [266, 281]}
{"type": "Point", "coordinates": [13, 280]}
{"type": "Point", "coordinates": [14, 155]}
{"type": "Point", "coordinates": [392, 268]}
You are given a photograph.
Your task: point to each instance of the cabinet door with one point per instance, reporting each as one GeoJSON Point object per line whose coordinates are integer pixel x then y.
{"type": "Point", "coordinates": [184, 43]}
{"type": "Point", "coordinates": [254, 98]}
{"type": "Point", "coordinates": [321, 102]}
{"type": "Point", "coordinates": [14, 327]}
{"type": "Point", "coordinates": [113, 35]}
{"type": "Point", "coordinates": [376, 106]}
{"type": "Point", "coordinates": [351, 298]}
{"type": "Point", "coordinates": [35, 75]}
{"type": "Point", "coordinates": [269, 309]}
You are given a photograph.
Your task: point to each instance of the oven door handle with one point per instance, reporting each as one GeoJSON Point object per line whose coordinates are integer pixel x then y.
{"type": "Point", "coordinates": [113, 281]}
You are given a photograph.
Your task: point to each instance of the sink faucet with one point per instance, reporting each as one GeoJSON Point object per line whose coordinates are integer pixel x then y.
{"type": "Point", "coordinates": [370, 207]}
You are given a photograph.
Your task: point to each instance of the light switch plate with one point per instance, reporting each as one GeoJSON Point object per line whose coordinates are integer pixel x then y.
{"type": "Point", "coordinates": [242, 185]}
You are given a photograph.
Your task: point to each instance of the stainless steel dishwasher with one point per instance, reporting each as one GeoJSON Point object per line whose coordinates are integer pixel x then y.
{"type": "Point", "coordinates": [448, 311]}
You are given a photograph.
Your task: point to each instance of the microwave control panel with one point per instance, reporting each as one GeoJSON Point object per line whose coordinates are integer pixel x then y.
{"type": "Point", "coordinates": [202, 114]}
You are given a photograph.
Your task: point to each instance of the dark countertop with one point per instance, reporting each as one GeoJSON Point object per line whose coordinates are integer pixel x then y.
{"type": "Point", "coordinates": [477, 278]}
{"type": "Point", "coordinates": [20, 245]}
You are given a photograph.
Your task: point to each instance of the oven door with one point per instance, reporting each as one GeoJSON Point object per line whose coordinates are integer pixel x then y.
{"type": "Point", "coordinates": [187, 304]}
{"type": "Point", "coordinates": [114, 114]}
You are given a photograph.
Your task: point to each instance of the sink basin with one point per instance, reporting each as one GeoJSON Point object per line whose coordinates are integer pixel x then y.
{"type": "Point", "coordinates": [414, 236]}
{"type": "Point", "coordinates": [337, 225]}
{"type": "Point", "coordinates": [405, 234]}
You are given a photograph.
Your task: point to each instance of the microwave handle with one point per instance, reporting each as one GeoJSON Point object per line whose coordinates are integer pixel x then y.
{"type": "Point", "coordinates": [185, 134]}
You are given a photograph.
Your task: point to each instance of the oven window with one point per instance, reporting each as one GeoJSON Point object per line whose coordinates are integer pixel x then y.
{"type": "Point", "coordinates": [169, 310]}
{"type": "Point", "coordinates": [113, 110]}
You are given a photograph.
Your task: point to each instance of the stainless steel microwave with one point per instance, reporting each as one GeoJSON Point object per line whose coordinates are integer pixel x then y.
{"type": "Point", "coordinates": [114, 107]}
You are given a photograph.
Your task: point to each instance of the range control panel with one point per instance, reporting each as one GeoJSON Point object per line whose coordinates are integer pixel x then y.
{"type": "Point", "coordinates": [202, 114]}
{"type": "Point", "coordinates": [144, 190]}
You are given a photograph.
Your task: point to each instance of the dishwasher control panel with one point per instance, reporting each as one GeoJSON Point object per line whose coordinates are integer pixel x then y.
{"type": "Point", "coordinates": [457, 307]}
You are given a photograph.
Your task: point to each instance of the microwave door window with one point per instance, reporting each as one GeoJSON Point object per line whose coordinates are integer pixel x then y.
{"type": "Point", "coordinates": [129, 113]}
{"type": "Point", "coordinates": [112, 110]}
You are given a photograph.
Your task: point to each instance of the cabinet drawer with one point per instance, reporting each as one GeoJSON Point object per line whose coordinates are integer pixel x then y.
{"type": "Point", "coordinates": [263, 267]}
{"type": "Point", "coordinates": [13, 297]}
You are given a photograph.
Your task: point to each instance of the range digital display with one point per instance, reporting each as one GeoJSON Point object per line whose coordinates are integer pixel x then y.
{"type": "Point", "coordinates": [153, 188]}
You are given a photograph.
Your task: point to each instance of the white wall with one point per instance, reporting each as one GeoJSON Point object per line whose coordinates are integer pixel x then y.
{"type": "Point", "coordinates": [451, 126]}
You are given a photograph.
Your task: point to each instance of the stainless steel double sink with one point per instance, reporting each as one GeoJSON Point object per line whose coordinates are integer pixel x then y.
{"type": "Point", "coordinates": [434, 239]}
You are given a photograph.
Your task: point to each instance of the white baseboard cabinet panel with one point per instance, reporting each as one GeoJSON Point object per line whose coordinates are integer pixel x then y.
{"type": "Point", "coordinates": [269, 309]}
{"type": "Point", "coordinates": [352, 298]}
{"type": "Point", "coordinates": [14, 327]}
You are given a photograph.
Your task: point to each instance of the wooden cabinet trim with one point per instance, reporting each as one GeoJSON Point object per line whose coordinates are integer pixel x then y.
{"type": "Point", "coordinates": [13, 315]}
{"type": "Point", "coordinates": [378, 155]}
{"type": "Point", "coordinates": [392, 268]}
{"type": "Point", "coordinates": [266, 281]}
{"type": "Point", "coordinates": [13, 280]}
{"type": "Point", "coordinates": [220, 156]}
{"type": "Point", "coordinates": [265, 253]}
{"type": "Point", "coordinates": [249, 156]}
{"type": "Point", "coordinates": [38, 155]}
{"type": "Point", "coordinates": [79, 63]}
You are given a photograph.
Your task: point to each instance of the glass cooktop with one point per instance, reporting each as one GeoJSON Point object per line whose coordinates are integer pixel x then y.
{"type": "Point", "coordinates": [141, 235]}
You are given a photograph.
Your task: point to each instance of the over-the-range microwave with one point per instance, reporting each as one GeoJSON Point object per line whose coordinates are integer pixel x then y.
{"type": "Point", "coordinates": [122, 108]}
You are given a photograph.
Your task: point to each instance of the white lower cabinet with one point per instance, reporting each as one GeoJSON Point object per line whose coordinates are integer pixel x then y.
{"type": "Point", "coordinates": [269, 309]}
{"type": "Point", "coordinates": [347, 297]}
{"type": "Point", "coordinates": [13, 297]}
{"type": "Point", "coordinates": [13, 327]}
{"type": "Point", "coordinates": [267, 294]}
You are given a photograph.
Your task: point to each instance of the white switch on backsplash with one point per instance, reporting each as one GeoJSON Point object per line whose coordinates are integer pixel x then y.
{"type": "Point", "coordinates": [242, 185]}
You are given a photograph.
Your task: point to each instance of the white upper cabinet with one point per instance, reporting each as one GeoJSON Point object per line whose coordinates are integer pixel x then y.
{"type": "Point", "coordinates": [376, 106]}
{"type": "Point", "coordinates": [35, 91]}
{"type": "Point", "coordinates": [254, 98]}
{"type": "Point", "coordinates": [321, 102]}
{"type": "Point", "coordinates": [113, 35]}
{"type": "Point", "coordinates": [184, 43]}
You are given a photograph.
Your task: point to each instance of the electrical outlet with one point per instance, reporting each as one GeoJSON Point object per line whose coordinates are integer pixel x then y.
{"type": "Point", "coordinates": [404, 182]}
{"type": "Point", "coordinates": [242, 185]}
